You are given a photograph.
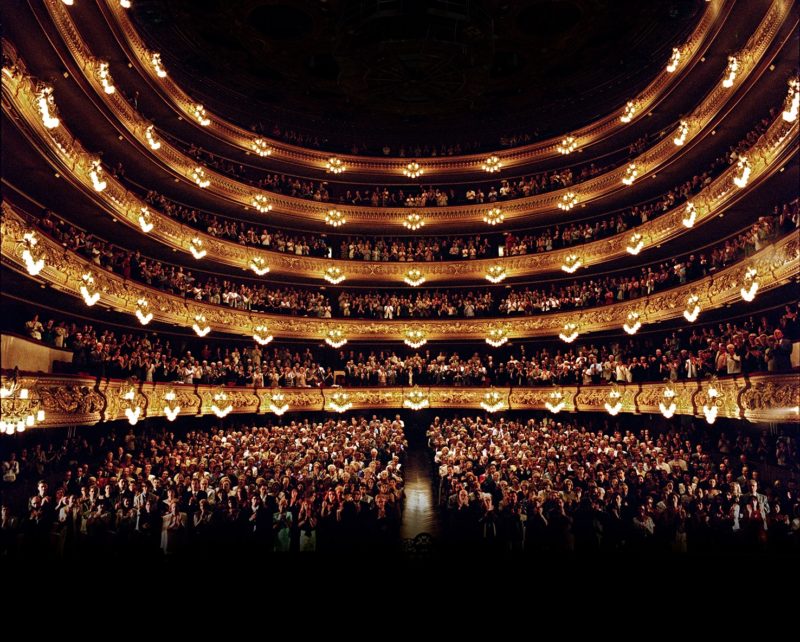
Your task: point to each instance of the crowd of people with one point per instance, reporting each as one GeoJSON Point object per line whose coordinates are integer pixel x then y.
{"type": "Point", "coordinates": [560, 486]}
{"type": "Point", "coordinates": [332, 485]}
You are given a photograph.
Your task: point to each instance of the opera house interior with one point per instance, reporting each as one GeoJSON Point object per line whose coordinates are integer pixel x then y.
{"type": "Point", "coordinates": [399, 278]}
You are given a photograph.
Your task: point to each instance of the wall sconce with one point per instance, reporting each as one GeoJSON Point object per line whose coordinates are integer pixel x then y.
{"type": "Point", "coordinates": [567, 145]}
{"type": "Point", "coordinates": [570, 332]}
{"type": "Point", "coordinates": [792, 101]}
{"type": "Point", "coordinates": [142, 306]}
{"type": "Point", "coordinates": [261, 335]}
{"type": "Point", "coordinates": [414, 277]}
{"type": "Point", "coordinates": [200, 326]}
{"type": "Point", "coordinates": [415, 338]}
{"type": "Point", "coordinates": [221, 406]}
{"type": "Point", "coordinates": [171, 408]}
{"type": "Point", "coordinates": [340, 401]}
{"type": "Point", "coordinates": [711, 408]}
{"type": "Point", "coordinates": [629, 111]}
{"type": "Point", "coordinates": [133, 410]}
{"type": "Point", "coordinates": [493, 401]}
{"type": "Point", "coordinates": [497, 336]}
{"type": "Point", "coordinates": [681, 133]}
{"type": "Point", "coordinates": [47, 107]}
{"type": "Point", "coordinates": [416, 399]}
{"type": "Point", "coordinates": [261, 147]}
{"type": "Point", "coordinates": [261, 203]}
{"type": "Point", "coordinates": [333, 275]}
{"type": "Point", "coordinates": [692, 308]}
{"type": "Point", "coordinates": [413, 170]}
{"type": "Point", "coordinates": [691, 215]}
{"type": "Point", "coordinates": [104, 74]}
{"type": "Point", "coordinates": [199, 114]}
{"type": "Point", "coordinates": [88, 289]}
{"type": "Point", "coordinates": [259, 265]}
{"type": "Point", "coordinates": [495, 274]}
{"type": "Point", "coordinates": [196, 248]}
{"type": "Point", "coordinates": [571, 263]}
{"type": "Point", "coordinates": [743, 171]}
{"type": "Point", "coordinates": [335, 218]}
{"type": "Point", "coordinates": [413, 222]}
{"type": "Point", "coordinates": [199, 176]}
{"type": "Point", "coordinates": [158, 66]}
{"type": "Point", "coordinates": [492, 165]}
{"type": "Point", "coordinates": [614, 405]}
{"type": "Point", "coordinates": [668, 406]}
{"type": "Point", "coordinates": [631, 172]}
{"type": "Point", "coordinates": [33, 264]}
{"type": "Point", "coordinates": [730, 72]}
{"type": "Point", "coordinates": [632, 325]}
{"type": "Point", "coordinates": [494, 216]}
{"type": "Point", "coordinates": [674, 60]}
{"type": "Point", "coordinates": [567, 201]}
{"type": "Point", "coordinates": [555, 402]}
{"type": "Point", "coordinates": [635, 244]}
{"type": "Point", "coordinates": [277, 403]}
{"type": "Point", "coordinates": [96, 175]}
{"type": "Point", "coordinates": [750, 287]}
{"type": "Point", "coordinates": [335, 165]}
{"type": "Point", "coordinates": [335, 338]}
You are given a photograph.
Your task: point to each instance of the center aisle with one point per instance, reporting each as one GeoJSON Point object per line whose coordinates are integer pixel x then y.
{"type": "Point", "coordinates": [420, 514]}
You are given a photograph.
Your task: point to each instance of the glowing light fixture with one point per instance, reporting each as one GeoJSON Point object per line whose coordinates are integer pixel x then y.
{"type": "Point", "coordinates": [497, 336]}
{"type": "Point", "coordinates": [416, 399]}
{"type": "Point", "coordinates": [743, 171]}
{"type": "Point", "coordinates": [277, 403]}
{"type": "Point", "coordinates": [335, 218]}
{"type": "Point", "coordinates": [414, 277]}
{"type": "Point", "coordinates": [96, 175]}
{"type": "Point", "coordinates": [493, 401]}
{"type": "Point", "coordinates": [668, 405]}
{"type": "Point", "coordinates": [629, 112]}
{"type": "Point", "coordinates": [750, 287]}
{"type": "Point", "coordinates": [196, 248]}
{"type": "Point", "coordinates": [335, 338]}
{"type": "Point", "coordinates": [631, 172]}
{"type": "Point", "coordinates": [710, 408]}
{"type": "Point", "coordinates": [200, 326]}
{"type": "Point", "coordinates": [261, 203]}
{"type": "Point", "coordinates": [150, 135]}
{"type": "Point", "coordinates": [633, 323]}
{"type": "Point", "coordinates": [568, 201]}
{"type": "Point", "coordinates": [340, 401]}
{"type": "Point", "coordinates": [692, 308]}
{"type": "Point", "coordinates": [133, 411]}
{"type": "Point", "coordinates": [47, 107]}
{"type": "Point", "coordinates": [259, 265]}
{"type": "Point", "coordinates": [222, 405]}
{"type": "Point", "coordinates": [335, 165]}
{"type": "Point", "coordinates": [415, 338]}
{"type": "Point", "coordinates": [730, 72]}
{"type": "Point", "coordinates": [413, 170]}
{"type": "Point", "coordinates": [261, 335]}
{"type": "Point", "coordinates": [158, 66]}
{"type": "Point", "coordinates": [32, 265]}
{"type": "Point", "coordinates": [199, 114]}
{"type": "Point", "coordinates": [88, 291]}
{"type": "Point", "coordinates": [614, 405]}
{"type": "Point", "coordinates": [674, 60]}
{"type": "Point", "coordinates": [567, 146]}
{"type": "Point", "coordinates": [494, 216]}
{"type": "Point", "coordinates": [69, 3]}
{"type": "Point", "coordinates": [104, 74]}
{"type": "Point", "coordinates": [171, 409]}
{"type": "Point", "coordinates": [681, 133]}
{"type": "Point", "coordinates": [570, 332]}
{"type": "Point", "coordinates": [571, 263]}
{"type": "Point", "coordinates": [261, 147]}
{"type": "Point", "coordinates": [691, 215]}
{"type": "Point", "coordinates": [142, 313]}
{"type": "Point", "coordinates": [413, 222]}
{"type": "Point", "coordinates": [199, 177]}
{"type": "Point", "coordinates": [492, 165]}
{"type": "Point", "coordinates": [125, 4]}
{"type": "Point", "coordinates": [18, 409]}
{"type": "Point", "coordinates": [333, 275]}
{"type": "Point", "coordinates": [495, 274]}
{"type": "Point", "coordinates": [555, 402]}
{"type": "Point", "coordinates": [792, 101]}
{"type": "Point", "coordinates": [145, 220]}
{"type": "Point", "coordinates": [635, 244]}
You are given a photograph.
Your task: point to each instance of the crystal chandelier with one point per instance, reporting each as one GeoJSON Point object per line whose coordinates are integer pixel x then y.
{"type": "Point", "coordinates": [340, 401]}
{"type": "Point", "coordinates": [133, 410]}
{"type": "Point", "coordinates": [493, 401]}
{"type": "Point", "coordinates": [47, 107]}
{"type": "Point", "coordinates": [691, 215]}
{"type": "Point", "coordinates": [692, 308]}
{"type": "Point", "coordinates": [415, 338]}
{"type": "Point", "coordinates": [571, 263]}
{"type": "Point", "coordinates": [674, 60]}
{"type": "Point", "coordinates": [335, 218]}
{"type": "Point", "coordinates": [633, 323]}
{"type": "Point", "coordinates": [635, 244]}
{"type": "Point", "coordinates": [743, 172]}
{"type": "Point", "coordinates": [88, 289]}
{"type": "Point", "coordinates": [730, 72]}
{"type": "Point", "coordinates": [171, 408]}
{"type": "Point", "coordinates": [199, 177]}
{"type": "Point", "coordinates": [277, 403]}
{"type": "Point", "coordinates": [416, 399]}
{"type": "Point", "coordinates": [142, 313]}
{"type": "Point", "coordinates": [629, 112]}
{"type": "Point", "coordinates": [199, 114]}
{"type": "Point", "coordinates": [158, 66]}
{"type": "Point", "coordinates": [568, 201]}
{"type": "Point", "coordinates": [668, 406]}
{"type": "Point", "coordinates": [494, 216]}
{"type": "Point", "coordinates": [750, 286]}
{"type": "Point", "coordinates": [261, 203]}
{"type": "Point", "coordinates": [413, 222]}
{"type": "Point", "coordinates": [259, 265]}
{"type": "Point", "coordinates": [200, 326]}
{"type": "Point", "coordinates": [150, 135]}
{"type": "Point", "coordinates": [492, 165]}
{"type": "Point", "coordinates": [335, 338]}
{"type": "Point", "coordinates": [333, 275]}
{"type": "Point", "coordinates": [104, 74]}
{"type": "Point", "coordinates": [221, 406]}
{"type": "Point", "coordinates": [711, 407]}
{"type": "Point", "coordinates": [614, 405]}
{"type": "Point", "coordinates": [555, 402]}
{"type": "Point", "coordinates": [196, 248]}
{"type": "Point", "coordinates": [335, 165]}
{"type": "Point", "coordinates": [497, 336]}
{"type": "Point", "coordinates": [414, 277]}
{"type": "Point", "coordinates": [567, 146]}
{"type": "Point", "coordinates": [96, 175]}
{"type": "Point", "coordinates": [681, 133]}
{"type": "Point", "coordinates": [495, 274]}
{"type": "Point", "coordinates": [570, 332]}
{"type": "Point", "coordinates": [261, 147]}
{"type": "Point", "coordinates": [145, 220]}
{"type": "Point", "coordinates": [261, 335]}
{"type": "Point", "coordinates": [413, 170]}
{"type": "Point", "coordinates": [33, 264]}
{"type": "Point", "coordinates": [631, 172]}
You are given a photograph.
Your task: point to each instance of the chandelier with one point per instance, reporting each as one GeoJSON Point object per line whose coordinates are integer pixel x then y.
{"type": "Point", "coordinates": [614, 405]}
{"type": "Point", "coordinates": [629, 112]}
{"type": "Point", "coordinates": [555, 402]}
{"type": "Point", "coordinates": [570, 332]}
{"type": "Point", "coordinates": [200, 326]}
{"type": "Point", "coordinates": [340, 401]}
{"type": "Point", "coordinates": [674, 60]}
{"type": "Point", "coordinates": [668, 406]}
{"type": "Point", "coordinates": [415, 338]}
{"type": "Point", "coordinates": [633, 323]}
{"type": "Point", "coordinates": [259, 265]}
{"type": "Point", "coordinates": [335, 165]}
{"type": "Point", "coordinates": [88, 289]}
{"type": "Point", "coordinates": [277, 403]}
{"type": "Point", "coordinates": [47, 107]}
{"type": "Point", "coordinates": [730, 72]}
{"type": "Point", "coordinates": [711, 408]}
{"type": "Point", "coordinates": [199, 114]}
{"type": "Point", "coordinates": [631, 172]}
{"type": "Point", "coordinates": [571, 263]}
{"type": "Point", "coordinates": [196, 248]}
{"type": "Point", "coordinates": [743, 172]}
{"type": "Point", "coordinates": [416, 399]}
{"type": "Point", "coordinates": [142, 313]}
{"type": "Point", "coordinates": [635, 244]}
{"type": "Point", "coordinates": [221, 406]}
{"type": "Point", "coordinates": [492, 165]}
{"type": "Point", "coordinates": [335, 218]}
{"type": "Point", "coordinates": [413, 222]}
{"type": "Point", "coordinates": [171, 408]}
{"type": "Point", "coordinates": [158, 66]}
{"type": "Point", "coordinates": [335, 338]}
{"type": "Point", "coordinates": [333, 275]}
{"type": "Point", "coordinates": [104, 74]}
{"type": "Point", "coordinates": [497, 336]}
{"type": "Point", "coordinates": [261, 335]}
{"type": "Point", "coordinates": [750, 286]}
{"type": "Point", "coordinates": [792, 101]}
{"type": "Point", "coordinates": [32, 264]}
{"type": "Point", "coordinates": [199, 177]}
{"type": "Point", "coordinates": [96, 174]}
{"type": "Point", "coordinates": [145, 220]}
{"type": "Point", "coordinates": [567, 146]}
{"type": "Point", "coordinates": [493, 401]}
{"type": "Point", "coordinates": [495, 274]}
{"type": "Point", "coordinates": [18, 409]}
{"type": "Point", "coordinates": [681, 133]}
{"type": "Point", "coordinates": [494, 216]}
{"type": "Point", "coordinates": [413, 170]}
{"type": "Point", "coordinates": [133, 410]}
{"type": "Point", "coordinates": [260, 147]}
{"type": "Point", "coordinates": [149, 134]}
{"type": "Point", "coordinates": [261, 203]}
{"type": "Point", "coordinates": [414, 277]}
{"type": "Point", "coordinates": [691, 215]}
{"type": "Point", "coordinates": [692, 308]}
{"type": "Point", "coordinates": [568, 201]}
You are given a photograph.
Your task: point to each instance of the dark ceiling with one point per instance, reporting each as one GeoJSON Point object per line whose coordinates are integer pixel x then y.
{"type": "Point", "coordinates": [377, 67]}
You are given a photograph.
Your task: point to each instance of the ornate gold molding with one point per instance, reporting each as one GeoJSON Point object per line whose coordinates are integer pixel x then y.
{"type": "Point", "coordinates": [708, 26]}
{"type": "Point", "coordinates": [775, 265]}
{"type": "Point", "coordinates": [71, 401]}
{"type": "Point", "coordinates": [766, 157]}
